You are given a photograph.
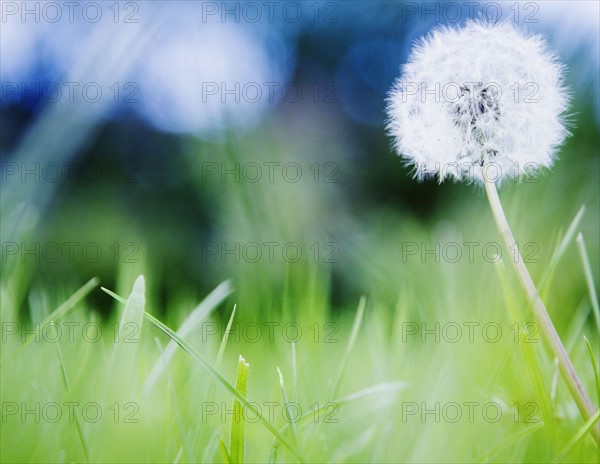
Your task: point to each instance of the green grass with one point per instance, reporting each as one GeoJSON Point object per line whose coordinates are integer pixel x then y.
{"type": "Point", "coordinates": [358, 394]}
{"type": "Point", "coordinates": [367, 386]}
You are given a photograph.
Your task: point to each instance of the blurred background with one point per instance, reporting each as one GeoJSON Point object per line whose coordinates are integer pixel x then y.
{"type": "Point", "coordinates": [202, 141]}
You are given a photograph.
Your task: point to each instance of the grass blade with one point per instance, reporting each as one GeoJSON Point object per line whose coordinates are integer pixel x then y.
{"type": "Point", "coordinates": [546, 279]}
{"type": "Point", "coordinates": [211, 385]}
{"type": "Point", "coordinates": [236, 444]}
{"type": "Point", "coordinates": [294, 374]}
{"type": "Point", "coordinates": [178, 457]}
{"type": "Point", "coordinates": [224, 452]}
{"type": "Point", "coordinates": [75, 412]}
{"type": "Point", "coordinates": [378, 389]}
{"type": "Point", "coordinates": [120, 299]}
{"type": "Point", "coordinates": [133, 314]}
{"type": "Point", "coordinates": [353, 334]}
{"type": "Point", "coordinates": [177, 409]}
{"type": "Point", "coordinates": [223, 381]}
{"type": "Point", "coordinates": [589, 277]}
{"type": "Point", "coordinates": [577, 325]}
{"type": "Point", "coordinates": [595, 367]}
{"type": "Point", "coordinates": [510, 441]}
{"type": "Point", "coordinates": [286, 403]}
{"type": "Point", "coordinates": [130, 326]}
{"type": "Point", "coordinates": [211, 448]}
{"type": "Point", "coordinates": [225, 338]}
{"type": "Point", "coordinates": [58, 313]}
{"type": "Point", "coordinates": [273, 453]}
{"type": "Point", "coordinates": [527, 349]}
{"type": "Point", "coordinates": [64, 308]}
{"type": "Point", "coordinates": [197, 316]}
{"type": "Point", "coordinates": [577, 438]}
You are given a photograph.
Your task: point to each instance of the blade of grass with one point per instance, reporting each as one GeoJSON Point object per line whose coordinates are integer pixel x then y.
{"type": "Point", "coordinates": [382, 388]}
{"type": "Point", "coordinates": [211, 384]}
{"type": "Point", "coordinates": [64, 308]}
{"type": "Point", "coordinates": [133, 314]}
{"type": "Point", "coordinates": [211, 448]}
{"type": "Point", "coordinates": [197, 316]}
{"type": "Point", "coordinates": [577, 438]}
{"type": "Point", "coordinates": [355, 446]}
{"type": "Point", "coordinates": [273, 452]}
{"type": "Point", "coordinates": [238, 423]}
{"type": "Point", "coordinates": [223, 381]}
{"type": "Point", "coordinates": [559, 251]}
{"type": "Point", "coordinates": [130, 327]}
{"type": "Point", "coordinates": [577, 325]}
{"type": "Point", "coordinates": [595, 367]}
{"type": "Point", "coordinates": [527, 349]}
{"type": "Point", "coordinates": [224, 452]}
{"type": "Point", "coordinates": [294, 374]}
{"type": "Point", "coordinates": [65, 378]}
{"type": "Point", "coordinates": [378, 389]}
{"type": "Point", "coordinates": [178, 416]}
{"type": "Point", "coordinates": [493, 379]}
{"type": "Point", "coordinates": [353, 334]}
{"type": "Point", "coordinates": [510, 441]}
{"type": "Point", "coordinates": [554, 385]}
{"type": "Point", "coordinates": [589, 277]}
{"type": "Point", "coordinates": [286, 403]}
{"type": "Point", "coordinates": [120, 299]}
{"type": "Point", "coordinates": [178, 457]}
{"type": "Point", "coordinates": [58, 313]}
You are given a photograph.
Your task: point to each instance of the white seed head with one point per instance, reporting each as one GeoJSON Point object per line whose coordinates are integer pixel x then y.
{"type": "Point", "coordinates": [477, 96]}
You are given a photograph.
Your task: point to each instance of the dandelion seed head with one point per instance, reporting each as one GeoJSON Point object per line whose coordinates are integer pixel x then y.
{"type": "Point", "coordinates": [483, 94]}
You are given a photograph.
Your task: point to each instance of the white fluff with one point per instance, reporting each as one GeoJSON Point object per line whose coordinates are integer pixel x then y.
{"type": "Point", "coordinates": [477, 95]}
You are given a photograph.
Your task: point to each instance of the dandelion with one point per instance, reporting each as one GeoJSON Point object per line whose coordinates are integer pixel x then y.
{"type": "Point", "coordinates": [483, 94]}
{"type": "Point", "coordinates": [485, 103]}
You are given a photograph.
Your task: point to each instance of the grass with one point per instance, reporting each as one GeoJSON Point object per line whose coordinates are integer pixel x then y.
{"type": "Point", "coordinates": [377, 375]}
{"type": "Point", "coordinates": [369, 396]}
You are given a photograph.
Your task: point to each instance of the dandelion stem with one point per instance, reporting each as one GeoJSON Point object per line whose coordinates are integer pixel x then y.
{"type": "Point", "coordinates": [584, 403]}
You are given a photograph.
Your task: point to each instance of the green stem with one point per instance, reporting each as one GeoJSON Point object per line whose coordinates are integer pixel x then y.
{"type": "Point", "coordinates": [584, 403]}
